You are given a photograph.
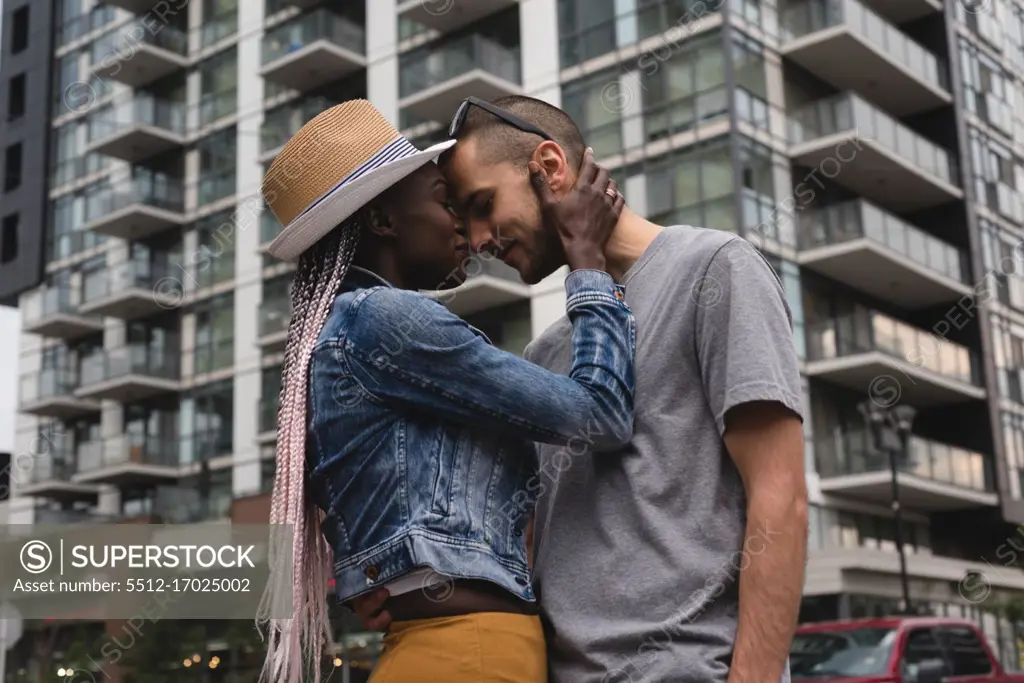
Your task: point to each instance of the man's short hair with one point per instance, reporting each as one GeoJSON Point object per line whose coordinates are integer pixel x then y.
{"type": "Point", "coordinates": [501, 141]}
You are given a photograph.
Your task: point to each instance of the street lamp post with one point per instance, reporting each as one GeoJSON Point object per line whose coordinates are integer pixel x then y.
{"type": "Point", "coordinates": [891, 430]}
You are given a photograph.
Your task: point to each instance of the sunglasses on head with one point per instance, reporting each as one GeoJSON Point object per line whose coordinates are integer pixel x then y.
{"type": "Point", "coordinates": [508, 117]}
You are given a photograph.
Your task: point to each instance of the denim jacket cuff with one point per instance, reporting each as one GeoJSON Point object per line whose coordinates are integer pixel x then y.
{"type": "Point", "coordinates": [582, 286]}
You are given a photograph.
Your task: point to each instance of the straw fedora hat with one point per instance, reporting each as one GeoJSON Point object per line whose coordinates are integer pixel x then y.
{"type": "Point", "coordinates": [340, 160]}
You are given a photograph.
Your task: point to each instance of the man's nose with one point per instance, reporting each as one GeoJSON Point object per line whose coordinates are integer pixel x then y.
{"type": "Point", "coordinates": [480, 236]}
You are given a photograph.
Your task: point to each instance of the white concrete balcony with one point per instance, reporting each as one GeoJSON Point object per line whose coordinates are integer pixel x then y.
{"type": "Point", "coordinates": [54, 312]}
{"type": "Point", "coordinates": [130, 290]}
{"type": "Point", "coordinates": [435, 79]}
{"type": "Point", "coordinates": [446, 15]}
{"type": "Point", "coordinates": [130, 373]}
{"type": "Point", "coordinates": [50, 392]}
{"type": "Point", "coordinates": [128, 460]}
{"type": "Point", "coordinates": [489, 283]}
{"type": "Point", "coordinates": [51, 477]}
{"type": "Point", "coordinates": [935, 477]}
{"type": "Point", "coordinates": [875, 252]}
{"type": "Point", "coordinates": [860, 147]}
{"type": "Point", "coordinates": [313, 50]}
{"type": "Point", "coordinates": [139, 53]}
{"type": "Point", "coordinates": [869, 352]}
{"type": "Point", "coordinates": [137, 208]}
{"type": "Point", "coordinates": [137, 129]}
{"type": "Point", "coordinates": [853, 48]}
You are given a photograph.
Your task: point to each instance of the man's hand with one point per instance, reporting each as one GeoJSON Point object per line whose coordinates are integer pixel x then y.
{"type": "Point", "coordinates": [585, 217]}
{"type": "Point", "coordinates": [368, 609]}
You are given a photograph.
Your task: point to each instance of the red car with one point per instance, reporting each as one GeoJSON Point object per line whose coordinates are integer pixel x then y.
{"type": "Point", "coordinates": [895, 650]}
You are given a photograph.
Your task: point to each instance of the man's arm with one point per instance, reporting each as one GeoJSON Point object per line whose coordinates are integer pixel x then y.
{"type": "Point", "coordinates": [751, 377]}
{"type": "Point", "coordinates": [765, 441]}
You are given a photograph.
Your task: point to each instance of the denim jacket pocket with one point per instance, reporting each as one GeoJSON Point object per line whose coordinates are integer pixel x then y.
{"type": "Point", "coordinates": [447, 462]}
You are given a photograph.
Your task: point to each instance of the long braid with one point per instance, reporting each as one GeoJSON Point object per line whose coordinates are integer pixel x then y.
{"type": "Point", "coordinates": [296, 643]}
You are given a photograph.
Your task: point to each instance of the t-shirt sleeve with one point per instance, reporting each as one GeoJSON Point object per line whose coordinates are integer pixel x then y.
{"type": "Point", "coordinates": [744, 333]}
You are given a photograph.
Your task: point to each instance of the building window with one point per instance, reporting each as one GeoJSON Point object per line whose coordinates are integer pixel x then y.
{"type": "Point", "coordinates": [16, 97]}
{"type": "Point", "coordinates": [215, 262]}
{"type": "Point", "coordinates": [220, 20]}
{"type": "Point", "coordinates": [693, 187]}
{"type": "Point", "coordinates": [587, 102]}
{"type": "Point", "coordinates": [1013, 442]}
{"type": "Point", "coordinates": [998, 176]}
{"type": "Point", "coordinates": [215, 334]}
{"type": "Point", "coordinates": [217, 165]}
{"type": "Point", "coordinates": [218, 85]}
{"type": "Point", "coordinates": [212, 425]}
{"type": "Point", "coordinates": [19, 30]}
{"type": "Point", "coordinates": [12, 167]}
{"type": "Point", "coordinates": [9, 238]}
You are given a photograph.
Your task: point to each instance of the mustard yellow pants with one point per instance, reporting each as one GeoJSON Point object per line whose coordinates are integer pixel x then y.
{"type": "Point", "coordinates": [488, 647]}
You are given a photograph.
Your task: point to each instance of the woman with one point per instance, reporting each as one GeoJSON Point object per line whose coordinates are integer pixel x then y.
{"type": "Point", "coordinates": [409, 431]}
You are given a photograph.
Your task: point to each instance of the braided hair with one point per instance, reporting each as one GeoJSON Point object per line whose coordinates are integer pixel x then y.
{"type": "Point", "coordinates": [296, 643]}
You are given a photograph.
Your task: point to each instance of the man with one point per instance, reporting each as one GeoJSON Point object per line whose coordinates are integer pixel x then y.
{"type": "Point", "coordinates": [679, 559]}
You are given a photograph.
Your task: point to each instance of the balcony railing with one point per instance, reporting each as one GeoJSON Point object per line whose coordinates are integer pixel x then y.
{"type": "Point", "coordinates": [148, 188]}
{"type": "Point", "coordinates": [137, 449]}
{"type": "Point", "coordinates": [846, 112]}
{"type": "Point", "coordinates": [185, 504]}
{"type": "Point", "coordinates": [445, 62]}
{"type": "Point", "coordinates": [858, 219]}
{"type": "Point", "coordinates": [214, 356]}
{"type": "Point", "coordinates": [142, 110]}
{"type": "Point", "coordinates": [48, 301]}
{"type": "Point", "coordinates": [217, 185]}
{"type": "Point", "coordinates": [122, 42]}
{"type": "Point", "coordinates": [275, 315]}
{"type": "Point", "coordinates": [120, 278]}
{"type": "Point", "coordinates": [57, 466]}
{"type": "Point", "coordinates": [217, 105]}
{"type": "Point", "coordinates": [282, 123]}
{"type": "Point", "coordinates": [268, 413]}
{"type": "Point", "coordinates": [134, 359]}
{"type": "Point", "coordinates": [811, 16]}
{"type": "Point", "coordinates": [852, 453]}
{"type": "Point", "coordinates": [47, 383]}
{"type": "Point", "coordinates": [865, 331]}
{"type": "Point", "coordinates": [320, 24]}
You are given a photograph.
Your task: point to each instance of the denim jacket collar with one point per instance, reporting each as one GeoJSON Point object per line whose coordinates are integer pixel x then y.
{"type": "Point", "coordinates": [359, 278]}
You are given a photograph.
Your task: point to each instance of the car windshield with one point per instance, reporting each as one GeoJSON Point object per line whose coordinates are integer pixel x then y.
{"type": "Point", "coordinates": [849, 652]}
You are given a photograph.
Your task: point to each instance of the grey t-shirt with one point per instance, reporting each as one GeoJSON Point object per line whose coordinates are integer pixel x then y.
{"type": "Point", "coordinates": [637, 553]}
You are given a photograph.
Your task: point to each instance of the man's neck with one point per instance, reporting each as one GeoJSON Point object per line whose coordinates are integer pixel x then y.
{"type": "Point", "coordinates": [628, 242]}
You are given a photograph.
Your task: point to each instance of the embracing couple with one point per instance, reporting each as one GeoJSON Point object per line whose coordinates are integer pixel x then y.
{"type": "Point", "coordinates": [625, 504]}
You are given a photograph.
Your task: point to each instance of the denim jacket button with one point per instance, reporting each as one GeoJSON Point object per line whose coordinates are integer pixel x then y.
{"type": "Point", "coordinates": [372, 572]}
{"type": "Point", "coordinates": [619, 295]}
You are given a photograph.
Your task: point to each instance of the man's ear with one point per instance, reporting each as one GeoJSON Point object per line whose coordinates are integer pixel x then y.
{"type": "Point", "coordinates": [551, 158]}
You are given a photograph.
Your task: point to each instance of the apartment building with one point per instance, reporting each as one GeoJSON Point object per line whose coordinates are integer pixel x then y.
{"type": "Point", "coordinates": [872, 149]}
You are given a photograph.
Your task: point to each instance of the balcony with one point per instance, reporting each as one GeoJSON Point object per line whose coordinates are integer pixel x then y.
{"type": "Point", "coordinates": [434, 81]}
{"type": "Point", "coordinates": [892, 361]}
{"type": "Point", "coordinates": [848, 45]}
{"type": "Point", "coordinates": [280, 124]}
{"type": "Point", "coordinates": [447, 16]}
{"type": "Point", "coordinates": [935, 477]}
{"type": "Point", "coordinates": [137, 208]}
{"type": "Point", "coordinates": [130, 290]}
{"type": "Point", "coordinates": [50, 392]}
{"type": "Point", "coordinates": [53, 312]}
{"type": "Point", "coordinates": [904, 11]}
{"type": "Point", "coordinates": [275, 315]}
{"type": "Point", "coordinates": [313, 50]}
{"type": "Point", "coordinates": [872, 251]}
{"type": "Point", "coordinates": [863, 149]}
{"type": "Point", "coordinates": [128, 460]}
{"type": "Point", "coordinates": [137, 129]}
{"type": "Point", "coordinates": [130, 373]}
{"type": "Point", "coordinates": [135, 54]}
{"type": "Point", "coordinates": [490, 283]}
{"type": "Point", "coordinates": [50, 477]}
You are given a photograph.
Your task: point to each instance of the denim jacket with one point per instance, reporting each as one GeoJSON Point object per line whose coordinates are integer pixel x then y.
{"type": "Point", "coordinates": [421, 432]}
